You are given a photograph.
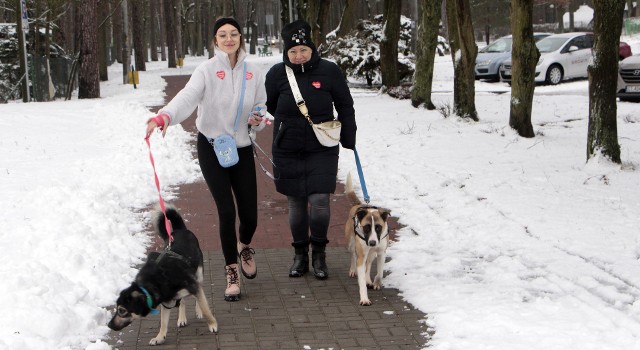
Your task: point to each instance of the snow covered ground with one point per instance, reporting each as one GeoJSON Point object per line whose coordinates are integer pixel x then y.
{"type": "Point", "coordinates": [509, 243]}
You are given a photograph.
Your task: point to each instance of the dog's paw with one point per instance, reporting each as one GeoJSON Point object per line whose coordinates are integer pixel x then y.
{"type": "Point", "coordinates": [365, 302]}
{"type": "Point", "coordinates": [370, 285]}
{"type": "Point", "coordinates": [182, 322]}
{"type": "Point", "coordinates": [157, 341]}
{"type": "Point", "coordinates": [213, 326]}
{"type": "Point", "coordinates": [353, 273]}
{"type": "Point", "coordinates": [198, 313]}
{"type": "Point", "coordinates": [377, 283]}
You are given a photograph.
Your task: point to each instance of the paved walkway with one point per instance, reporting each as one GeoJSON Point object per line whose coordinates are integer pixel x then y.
{"type": "Point", "coordinates": [275, 311]}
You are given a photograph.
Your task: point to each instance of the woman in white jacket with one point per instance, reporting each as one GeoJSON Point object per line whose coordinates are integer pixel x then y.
{"type": "Point", "coordinates": [215, 87]}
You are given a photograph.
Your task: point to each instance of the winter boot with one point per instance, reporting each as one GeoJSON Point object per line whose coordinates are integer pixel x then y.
{"type": "Point", "coordinates": [318, 260]}
{"type": "Point", "coordinates": [232, 293]}
{"type": "Point", "coordinates": [247, 263]}
{"type": "Point", "coordinates": [300, 261]}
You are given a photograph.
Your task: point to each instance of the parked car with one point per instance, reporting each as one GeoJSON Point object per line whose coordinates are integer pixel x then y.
{"type": "Point", "coordinates": [624, 50]}
{"type": "Point", "coordinates": [629, 79]}
{"type": "Point", "coordinates": [562, 56]}
{"type": "Point", "coordinates": [491, 57]}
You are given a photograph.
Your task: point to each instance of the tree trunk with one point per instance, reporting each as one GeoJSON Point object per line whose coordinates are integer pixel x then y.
{"type": "Point", "coordinates": [170, 33]}
{"type": "Point", "coordinates": [602, 135]}
{"type": "Point", "coordinates": [199, 47]}
{"type": "Point", "coordinates": [153, 29]}
{"type": "Point", "coordinates": [21, 44]}
{"type": "Point", "coordinates": [430, 12]}
{"type": "Point", "coordinates": [88, 74]}
{"type": "Point", "coordinates": [116, 20]}
{"type": "Point", "coordinates": [177, 15]}
{"type": "Point", "coordinates": [389, 44]}
{"type": "Point", "coordinates": [103, 43]}
{"type": "Point", "coordinates": [138, 35]}
{"type": "Point", "coordinates": [560, 16]}
{"type": "Point", "coordinates": [468, 51]}
{"type": "Point", "coordinates": [348, 21]}
{"type": "Point", "coordinates": [524, 57]}
{"type": "Point", "coordinates": [454, 46]}
{"type": "Point", "coordinates": [162, 30]}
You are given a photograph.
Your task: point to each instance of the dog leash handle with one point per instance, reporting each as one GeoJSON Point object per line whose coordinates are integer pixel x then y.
{"type": "Point", "coordinates": [365, 194]}
{"type": "Point", "coordinates": [155, 175]}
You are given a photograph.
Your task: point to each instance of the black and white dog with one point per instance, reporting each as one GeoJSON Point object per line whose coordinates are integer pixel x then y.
{"type": "Point", "coordinates": [165, 279]}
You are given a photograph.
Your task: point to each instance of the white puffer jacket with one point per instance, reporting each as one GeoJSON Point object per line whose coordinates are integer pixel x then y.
{"type": "Point", "coordinates": [214, 87]}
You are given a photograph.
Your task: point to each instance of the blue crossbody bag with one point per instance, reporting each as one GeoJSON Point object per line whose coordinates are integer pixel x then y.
{"type": "Point", "coordinates": [225, 145]}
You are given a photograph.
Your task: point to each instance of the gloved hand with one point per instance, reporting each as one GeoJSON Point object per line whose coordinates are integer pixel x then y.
{"type": "Point", "coordinates": [160, 121]}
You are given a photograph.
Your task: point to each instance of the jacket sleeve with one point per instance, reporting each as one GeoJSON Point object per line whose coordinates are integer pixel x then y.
{"type": "Point", "coordinates": [259, 100]}
{"type": "Point", "coordinates": [343, 103]}
{"type": "Point", "coordinates": [186, 101]}
{"type": "Point", "coordinates": [271, 88]}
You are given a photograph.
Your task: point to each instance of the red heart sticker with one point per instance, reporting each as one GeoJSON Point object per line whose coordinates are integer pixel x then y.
{"type": "Point", "coordinates": [316, 84]}
{"type": "Point", "coordinates": [249, 75]}
{"type": "Point", "coordinates": [220, 74]}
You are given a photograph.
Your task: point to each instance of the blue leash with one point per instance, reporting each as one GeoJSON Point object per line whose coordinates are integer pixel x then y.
{"type": "Point", "coordinates": [361, 176]}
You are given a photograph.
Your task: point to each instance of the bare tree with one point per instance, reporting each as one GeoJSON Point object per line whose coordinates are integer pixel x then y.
{"type": "Point", "coordinates": [430, 12]}
{"type": "Point", "coordinates": [88, 74]}
{"type": "Point", "coordinates": [139, 47]}
{"type": "Point", "coordinates": [524, 56]}
{"type": "Point", "coordinates": [104, 31]}
{"type": "Point", "coordinates": [459, 16]}
{"type": "Point", "coordinates": [602, 135]}
{"type": "Point", "coordinates": [153, 30]}
{"type": "Point", "coordinates": [169, 20]}
{"type": "Point", "coordinates": [348, 21]}
{"type": "Point", "coordinates": [389, 44]}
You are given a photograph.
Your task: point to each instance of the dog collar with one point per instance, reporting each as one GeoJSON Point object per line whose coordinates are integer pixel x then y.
{"type": "Point", "coordinates": [149, 300]}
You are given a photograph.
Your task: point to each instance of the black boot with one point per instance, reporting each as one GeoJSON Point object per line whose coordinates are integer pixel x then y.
{"type": "Point", "coordinates": [300, 261]}
{"type": "Point", "coordinates": [318, 260]}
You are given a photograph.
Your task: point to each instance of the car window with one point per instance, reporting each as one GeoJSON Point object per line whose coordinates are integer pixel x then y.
{"type": "Point", "coordinates": [550, 44]}
{"type": "Point", "coordinates": [588, 39]}
{"type": "Point", "coordinates": [500, 45]}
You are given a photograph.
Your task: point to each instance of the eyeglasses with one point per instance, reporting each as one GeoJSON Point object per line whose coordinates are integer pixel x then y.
{"type": "Point", "coordinates": [224, 35]}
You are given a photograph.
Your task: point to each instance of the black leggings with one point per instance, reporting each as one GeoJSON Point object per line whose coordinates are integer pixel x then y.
{"type": "Point", "coordinates": [225, 184]}
{"type": "Point", "coordinates": [310, 213]}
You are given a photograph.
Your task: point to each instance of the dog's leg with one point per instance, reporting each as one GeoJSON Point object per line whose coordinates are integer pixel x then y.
{"type": "Point", "coordinates": [362, 281]}
{"type": "Point", "coordinates": [377, 281]}
{"type": "Point", "coordinates": [182, 314]}
{"type": "Point", "coordinates": [352, 268]}
{"type": "Point", "coordinates": [370, 258]}
{"type": "Point", "coordinates": [198, 310]}
{"type": "Point", "coordinates": [204, 307]}
{"type": "Point", "coordinates": [164, 324]}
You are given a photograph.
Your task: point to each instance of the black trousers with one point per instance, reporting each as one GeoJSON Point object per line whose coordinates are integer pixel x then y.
{"type": "Point", "coordinates": [309, 219]}
{"type": "Point", "coordinates": [226, 184]}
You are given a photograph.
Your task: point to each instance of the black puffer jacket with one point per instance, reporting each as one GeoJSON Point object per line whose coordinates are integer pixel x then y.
{"type": "Point", "coordinates": [302, 165]}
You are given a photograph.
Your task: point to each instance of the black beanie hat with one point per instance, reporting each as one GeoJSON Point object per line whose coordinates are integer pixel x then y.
{"type": "Point", "coordinates": [226, 20]}
{"type": "Point", "coordinates": [297, 33]}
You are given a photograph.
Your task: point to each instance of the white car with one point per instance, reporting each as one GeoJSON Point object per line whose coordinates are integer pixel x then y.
{"type": "Point", "coordinates": [562, 56]}
{"type": "Point", "coordinates": [491, 57]}
{"type": "Point", "coordinates": [629, 79]}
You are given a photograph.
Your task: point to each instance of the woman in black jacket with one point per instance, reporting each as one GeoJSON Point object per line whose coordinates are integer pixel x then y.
{"type": "Point", "coordinates": [305, 170]}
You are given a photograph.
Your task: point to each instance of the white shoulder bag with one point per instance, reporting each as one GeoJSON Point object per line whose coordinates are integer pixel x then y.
{"type": "Point", "coordinates": [327, 133]}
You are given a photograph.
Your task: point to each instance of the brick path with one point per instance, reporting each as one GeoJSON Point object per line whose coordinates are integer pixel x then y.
{"type": "Point", "coordinates": [278, 312]}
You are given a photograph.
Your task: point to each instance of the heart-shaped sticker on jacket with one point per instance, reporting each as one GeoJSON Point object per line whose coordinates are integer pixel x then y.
{"type": "Point", "coordinates": [249, 75]}
{"type": "Point", "coordinates": [220, 74]}
{"type": "Point", "coordinates": [316, 84]}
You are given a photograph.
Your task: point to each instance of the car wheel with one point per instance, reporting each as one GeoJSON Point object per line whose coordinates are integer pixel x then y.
{"type": "Point", "coordinates": [554, 74]}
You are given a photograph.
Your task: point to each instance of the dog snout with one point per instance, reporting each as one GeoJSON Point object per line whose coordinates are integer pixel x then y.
{"type": "Point", "coordinates": [118, 323]}
{"type": "Point", "coordinates": [372, 243]}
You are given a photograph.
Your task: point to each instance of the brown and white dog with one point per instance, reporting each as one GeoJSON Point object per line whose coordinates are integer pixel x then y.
{"type": "Point", "coordinates": [367, 232]}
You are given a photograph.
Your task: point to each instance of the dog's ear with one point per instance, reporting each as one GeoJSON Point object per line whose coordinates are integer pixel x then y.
{"type": "Point", "coordinates": [361, 213]}
{"type": "Point", "coordinates": [385, 213]}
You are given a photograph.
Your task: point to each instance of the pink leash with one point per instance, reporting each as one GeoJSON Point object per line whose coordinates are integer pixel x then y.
{"type": "Point", "coordinates": [155, 175]}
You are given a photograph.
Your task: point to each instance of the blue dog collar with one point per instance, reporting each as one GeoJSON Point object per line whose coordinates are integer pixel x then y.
{"type": "Point", "coordinates": [149, 300]}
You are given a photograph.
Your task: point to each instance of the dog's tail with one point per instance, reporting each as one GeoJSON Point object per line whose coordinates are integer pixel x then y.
{"type": "Point", "coordinates": [351, 194]}
{"type": "Point", "coordinates": [177, 223]}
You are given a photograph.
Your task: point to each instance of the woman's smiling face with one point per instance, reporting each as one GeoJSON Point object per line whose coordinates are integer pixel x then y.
{"type": "Point", "coordinates": [228, 39]}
